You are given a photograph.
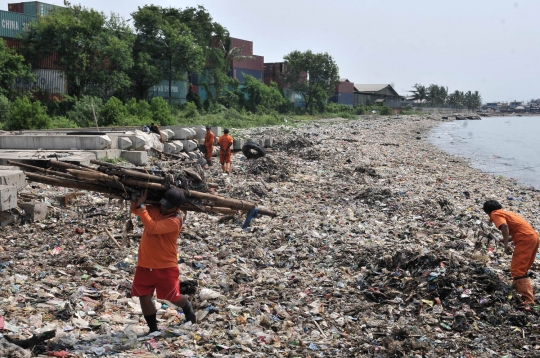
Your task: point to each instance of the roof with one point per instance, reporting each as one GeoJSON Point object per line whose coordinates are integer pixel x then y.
{"type": "Point", "coordinates": [373, 88]}
{"type": "Point", "coordinates": [520, 107]}
{"type": "Point", "coordinates": [344, 80]}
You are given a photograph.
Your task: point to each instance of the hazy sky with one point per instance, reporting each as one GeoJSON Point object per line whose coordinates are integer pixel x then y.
{"type": "Point", "coordinates": [487, 45]}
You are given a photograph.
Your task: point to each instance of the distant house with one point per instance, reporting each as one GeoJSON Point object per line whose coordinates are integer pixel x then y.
{"type": "Point", "coordinates": [515, 104]}
{"type": "Point", "coordinates": [372, 94]}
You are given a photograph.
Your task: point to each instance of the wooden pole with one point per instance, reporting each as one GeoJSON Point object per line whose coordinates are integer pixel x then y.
{"type": "Point", "coordinates": [73, 184]}
{"type": "Point", "coordinates": [42, 170]}
{"type": "Point", "coordinates": [95, 118]}
{"type": "Point", "coordinates": [63, 165]}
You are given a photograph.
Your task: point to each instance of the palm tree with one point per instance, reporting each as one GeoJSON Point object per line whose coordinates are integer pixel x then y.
{"type": "Point", "coordinates": [419, 93]}
{"type": "Point", "coordinates": [455, 100]}
{"type": "Point", "coordinates": [443, 95]}
{"type": "Point", "coordinates": [476, 100]}
{"type": "Point", "coordinates": [433, 94]}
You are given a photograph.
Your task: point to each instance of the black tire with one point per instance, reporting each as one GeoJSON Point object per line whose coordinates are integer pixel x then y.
{"type": "Point", "coordinates": [253, 150]}
{"type": "Point", "coordinates": [86, 133]}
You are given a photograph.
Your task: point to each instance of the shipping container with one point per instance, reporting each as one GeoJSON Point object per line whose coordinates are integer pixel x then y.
{"type": "Point", "coordinates": [16, 8]}
{"type": "Point", "coordinates": [34, 8]}
{"type": "Point", "coordinates": [195, 89]}
{"type": "Point", "coordinates": [247, 46]}
{"type": "Point", "coordinates": [238, 73]}
{"type": "Point", "coordinates": [179, 90]}
{"type": "Point", "coordinates": [199, 78]}
{"type": "Point", "coordinates": [12, 23]}
{"type": "Point", "coordinates": [51, 81]}
{"type": "Point", "coordinates": [346, 99]}
{"type": "Point", "coordinates": [255, 63]}
{"type": "Point", "coordinates": [42, 62]}
{"type": "Point", "coordinates": [203, 94]}
{"type": "Point", "coordinates": [345, 87]}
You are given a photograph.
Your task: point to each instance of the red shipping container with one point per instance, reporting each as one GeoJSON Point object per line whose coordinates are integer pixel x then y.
{"type": "Point", "coordinates": [256, 63]}
{"type": "Point", "coordinates": [195, 89]}
{"type": "Point", "coordinates": [345, 87]}
{"type": "Point", "coordinates": [247, 49]}
{"type": "Point", "coordinates": [18, 7]}
{"type": "Point", "coordinates": [12, 44]}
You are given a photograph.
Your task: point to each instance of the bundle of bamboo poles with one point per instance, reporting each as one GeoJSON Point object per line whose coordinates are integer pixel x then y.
{"type": "Point", "coordinates": [123, 183]}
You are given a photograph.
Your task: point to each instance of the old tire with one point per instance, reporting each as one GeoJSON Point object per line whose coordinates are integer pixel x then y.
{"type": "Point", "coordinates": [253, 150]}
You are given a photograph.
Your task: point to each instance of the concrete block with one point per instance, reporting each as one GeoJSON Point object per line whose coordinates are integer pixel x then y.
{"type": "Point", "coordinates": [55, 142]}
{"type": "Point", "coordinates": [218, 131]}
{"type": "Point", "coordinates": [124, 143]}
{"type": "Point", "coordinates": [170, 148]}
{"type": "Point", "coordinates": [13, 177]}
{"type": "Point", "coordinates": [268, 142]}
{"type": "Point", "coordinates": [8, 197]}
{"type": "Point", "coordinates": [178, 145]}
{"type": "Point", "coordinates": [138, 141]}
{"type": "Point", "coordinates": [184, 133]}
{"type": "Point", "coordinates": [170, 133]}
{"type": "Point", "coordinates": [37, 211]}
{"type": "Point", "coordinates": [165, 136]}
{"type": "Point", "coordinates": [194, 155]}
{"type": "Point", "coordinates": [136, 157]}
{"type": "Point", "coordinates": [189, 145]}
{"type": "Point", "coordinates": [238, 143]}
{"type": "Point", "coordinates": [200, 131]}
{"type": "Point", "coordinates": [7, 218]}
{"type": "Point", "coordinates": [107, 154]}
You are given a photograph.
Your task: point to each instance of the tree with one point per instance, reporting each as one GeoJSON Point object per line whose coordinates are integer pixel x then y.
{"type": "Point", "coordinates": [93, 50]}
{"type": "Point", "coordinates": [420, 93]}
{"type": "Point", "coordinates": [312, 75]}
{"type": "Point", "coordinates": [165, 46]}
{"type": "Point", "coordinates": [26, 114]}
{"type": "Point", "coordinates": [456, 99]}
{"type": "Point", "coordinates": [262, 98]}
{"type": "Point", "coordinates": [12, 66]}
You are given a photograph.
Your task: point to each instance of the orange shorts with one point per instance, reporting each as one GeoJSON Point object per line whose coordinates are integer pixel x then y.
{"type": "Point", "coordinates": [164, 281]}
{"type": "Point", "coordinates": [224, 156]}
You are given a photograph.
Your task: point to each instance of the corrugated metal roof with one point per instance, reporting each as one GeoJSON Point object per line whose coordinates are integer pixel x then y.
{"type": "Point", "coordinates": [369, 88]}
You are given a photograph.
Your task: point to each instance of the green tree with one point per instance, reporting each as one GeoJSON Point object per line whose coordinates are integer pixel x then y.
{"type": "Point", "coordinates": [113, 112]}
{"type": "Point", "coordinates": [161, 111]}
{"type": "Point", "coordinates": [312, 75]}
{"type": "Point", "coordinates": [93, 49]}
{"type": "Point", "coordinates": [26, 114]}
{"type": "Point", "coordinates": [420, 93]}
{"type": "Point", "coordinates": [12, 66]}
{"type": "Point", "coordinates": [5, 110]}
{"type": "Point", "coordinates": [84, 110]}
{"type": "Point", "coordinates": [262, 98]}
{"type": "Point", "coordinates": [172, 49]}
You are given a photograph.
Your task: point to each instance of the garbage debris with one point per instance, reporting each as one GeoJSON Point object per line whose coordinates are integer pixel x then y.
{"type": "Point", "coordinates": [375, 251]}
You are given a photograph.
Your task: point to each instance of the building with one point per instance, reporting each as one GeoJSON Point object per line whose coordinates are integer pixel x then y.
{"type": "Point", "coordinates": [344, 93]}
{"type": "Point", "coordinates": [367, 94]}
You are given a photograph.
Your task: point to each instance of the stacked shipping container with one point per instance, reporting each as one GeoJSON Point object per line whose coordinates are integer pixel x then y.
{"type": "Point", "coordinates": [48, 75]}
{"type": "Point", "coordinates": [344, 93]}
{"type": "Point", "coordinates": [251, 65]}
{"type": "Point", "coordinates": [179, 90]}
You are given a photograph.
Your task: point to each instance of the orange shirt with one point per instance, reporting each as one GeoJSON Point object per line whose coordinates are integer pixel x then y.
{"type": "Point", "coordinates": [209, 139]}
{"type": "Point", "coordinates": [225, 142]}
{"type": "Point", "coordinates": [517, 226]}
{"type": "Point", "coordinates": [158, 248]}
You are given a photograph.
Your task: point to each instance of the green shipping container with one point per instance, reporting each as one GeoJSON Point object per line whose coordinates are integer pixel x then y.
{"type": "Point", "coordinates": [179, 90]}
{"type": "Point", "coordinates": [37, 8]}
{"type": "Point", "coordinates": [12, 23]}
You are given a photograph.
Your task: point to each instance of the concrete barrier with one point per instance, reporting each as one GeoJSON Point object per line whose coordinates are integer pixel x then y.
{"type": "Point", "coordinates": [55, 142]}
{"type": "Point", "coordinates": [8, 197]}
{"type": "Point", "coordinates": [138, 141]}
{"type": "Point", "coordinates": [13, 177]}
{"type": "Point", "coordinates": [136, 157]}
{"type": "Point", "coordinates": [170, 133]}
{"type": "Point", "coordinates": [238, 143]}
{"type": "Point", "coordinates": [178, 145]}
{"type": "Point", "coordinates": [189, 145]}
{"type": "Point", "coordinates": [170, 148]}
{"type": "Point", "coordinates": [124, 143]}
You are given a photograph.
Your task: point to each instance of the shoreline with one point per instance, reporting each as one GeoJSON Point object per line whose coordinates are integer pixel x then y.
{"type": "Point", "coordinates": [374, 241]}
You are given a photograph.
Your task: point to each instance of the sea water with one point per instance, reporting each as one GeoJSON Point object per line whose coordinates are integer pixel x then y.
{"type": "Point", "coordinates": [507, 146]}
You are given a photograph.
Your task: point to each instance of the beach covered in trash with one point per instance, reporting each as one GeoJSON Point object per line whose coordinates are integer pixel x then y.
{"type": "Point", "coordinates": [380, 248]}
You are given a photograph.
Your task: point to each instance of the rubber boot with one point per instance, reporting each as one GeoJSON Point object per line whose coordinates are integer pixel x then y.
{"type": "Point", "coordinates": [524, 287]}
{"type": "Point", "coordinates": [209, 162]}
{"type": "Point", "coordinates": [188, 312]}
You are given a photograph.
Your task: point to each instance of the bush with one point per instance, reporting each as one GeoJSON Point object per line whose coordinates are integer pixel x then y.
{"type": "Point", "coordinates": [338, 108]}
{"type": "Point", "coordinates": [409, 107]}
{"type": "Point", "coordinates": [81, 113]}
{"type": "Point", "coordinates": [26, 114]}
{"type": "Point", "coordinates": [5, 109]}
{"type": "Point", "coordinates": [190, 110]}
{"type": "Point", "coordinates": [385, 110]}
{"type": "Point", "coordinates": [262, 98]}
{"type": "Point", "coordinates": [62, 122]}
{"type": "Point", "coordinates": [113, 112]}
{"type": "Point", "coordinates": [161, 112]}
{"type": "Point", "coordinates": [140, 110]}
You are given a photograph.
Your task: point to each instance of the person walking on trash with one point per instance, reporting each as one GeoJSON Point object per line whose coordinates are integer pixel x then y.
{"type": "Point", "coordinates": [514, 228]}
{"type": "Point", "coordinates": [157, 265]}
{"type": "Point", "coordinates": [225, 151]}
{"type": "Point", "coordinates": [209, 144]}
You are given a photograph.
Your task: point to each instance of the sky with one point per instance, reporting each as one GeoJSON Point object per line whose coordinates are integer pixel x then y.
{"type": "Point", "coordinates": [490, 46]}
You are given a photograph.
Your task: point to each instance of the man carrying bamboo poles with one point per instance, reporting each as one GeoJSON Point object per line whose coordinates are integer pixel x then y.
{"type": "Point", "coordinates": [157, 266]}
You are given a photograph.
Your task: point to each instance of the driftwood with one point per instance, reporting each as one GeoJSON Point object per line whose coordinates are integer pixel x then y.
{"type": "Point", "coordinates": [118, 182]}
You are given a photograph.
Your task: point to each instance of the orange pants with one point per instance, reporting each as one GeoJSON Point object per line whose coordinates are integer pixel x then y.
{"type": "Point", "coordinates": [209, 150]}
{"type": "Point", "coordinates": [526, 247]}
{"type": "Point", "coordinates": [224, 156]}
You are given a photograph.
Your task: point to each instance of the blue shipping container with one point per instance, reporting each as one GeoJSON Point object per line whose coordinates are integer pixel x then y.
{"type": "Point", "coordinates": [346, 99]}
{"type": "Point", "coordinates": [13, 23]}
{"type": "Point", "coordinates": [239, 73]}
{"type": "Point", "coordinates": [179, 90]}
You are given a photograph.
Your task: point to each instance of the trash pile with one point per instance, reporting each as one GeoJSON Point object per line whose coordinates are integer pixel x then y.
{"type": "Point", "coordinates": [380, 249]}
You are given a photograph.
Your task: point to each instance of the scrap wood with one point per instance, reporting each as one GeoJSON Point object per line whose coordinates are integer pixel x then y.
{"type": "Point", "coordinates": [112, 238]}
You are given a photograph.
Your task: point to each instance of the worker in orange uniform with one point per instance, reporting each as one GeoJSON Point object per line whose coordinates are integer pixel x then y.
{"type": "Point", "coordinates": [209, 144]}
{"type": "Point", "coordinates": [515, 228]}
{"type": "Point", "coordinates": [225, 151]}
{"type": "Point", "coordinates": [157, 264]}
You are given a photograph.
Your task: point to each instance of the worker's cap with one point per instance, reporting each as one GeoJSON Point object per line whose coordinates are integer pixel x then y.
{"type": "Point", "coordinates": [226, 130]}
{"type": "Point", "coordinates": [173, 197]}
{"type": "Point", "coordinates": [208, 128]}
